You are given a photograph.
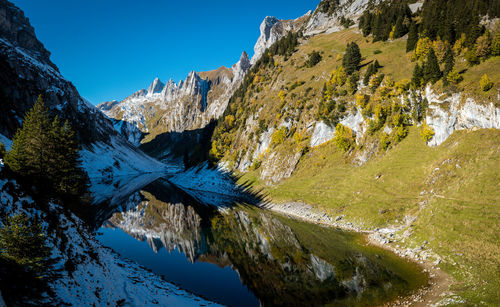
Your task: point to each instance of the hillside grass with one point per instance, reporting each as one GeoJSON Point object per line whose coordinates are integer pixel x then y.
{"type": "Point", "coordinates": [453, 189]}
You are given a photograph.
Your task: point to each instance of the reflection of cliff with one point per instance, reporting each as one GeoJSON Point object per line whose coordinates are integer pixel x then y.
{"type": "Point", "coordinates": [163, 223]}
{"type": "Point", "coordinates": [282, 263]}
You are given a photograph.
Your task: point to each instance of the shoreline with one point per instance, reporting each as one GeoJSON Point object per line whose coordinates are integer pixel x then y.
{"type": "Point", "coordinates": [439, 282]}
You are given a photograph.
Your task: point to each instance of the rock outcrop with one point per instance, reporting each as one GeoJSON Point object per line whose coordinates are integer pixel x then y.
{"type": "Point", "coordinates": [272, 29]}
{"type": "Point", "coordinates": [445, 115]}
{"type": "Point", "coordinates": [329, 21]}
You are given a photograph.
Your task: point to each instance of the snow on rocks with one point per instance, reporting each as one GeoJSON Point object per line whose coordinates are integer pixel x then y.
{"type": "Point", "coordinates": [102, 160]}
{"type": "Point", "coordinates": [5, 141]}
{"type": "Point", "coordinates": [211, 186]}
{"type": "Point", "coordinates": [100, 277]}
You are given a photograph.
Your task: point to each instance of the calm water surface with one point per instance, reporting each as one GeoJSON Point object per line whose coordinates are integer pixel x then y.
{"type": "Point", "coordinates": [242, 255]}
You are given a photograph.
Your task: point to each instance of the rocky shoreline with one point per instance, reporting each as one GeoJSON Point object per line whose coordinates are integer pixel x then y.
{"type": "Point", "coordinates": [434, 294]}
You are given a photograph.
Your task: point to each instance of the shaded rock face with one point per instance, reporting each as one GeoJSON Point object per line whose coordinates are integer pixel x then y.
{"type": "Point", "coordinates": [15, 28]}
{"type": "Point", "coordinates": [27, 72]}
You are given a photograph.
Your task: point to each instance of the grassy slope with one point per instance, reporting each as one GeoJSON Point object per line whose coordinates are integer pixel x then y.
{"type": "Point", "coordinates": [461, 222]}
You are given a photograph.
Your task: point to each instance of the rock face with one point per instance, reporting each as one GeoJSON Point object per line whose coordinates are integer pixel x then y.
{"type": "Point", "coordinates": [450, 114]}
{"type": "Point", "coordinates": [26, 72]}
{"type": "Point", "coordinates": [272, 29]}
{"type": "Point", "coordinates": [322, 133]}
{"type": "Point", "coordinates": [330, 21]}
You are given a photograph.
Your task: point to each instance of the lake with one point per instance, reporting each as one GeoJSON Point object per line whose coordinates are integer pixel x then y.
{"type": "Point", "coordinates": [241, 255]}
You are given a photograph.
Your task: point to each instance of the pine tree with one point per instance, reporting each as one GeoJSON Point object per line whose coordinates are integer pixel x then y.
{"type": "Point", "coordinates": [431, 69]}
{"type": "Point", "coordinates": [417, 76]}
{"type": "Point", "coordinates": [29, 155]}
{"type": "Point", "coordinates": [23, 241]}
{"type": "Point", "coordinates": [449, 62]}
{"type": "Point", "coordinates": [411, 43]}
{"type": "Point", "coordinates": [352, 58]}
{"type": "Point", "coordinates": [365, 23]}
{"type": "Point", "coordinates": [370, 71]}
{"type": "Point", "coordinates": [71, 178]}
{"type": "Point", "coordinates": [46, 154]}
{"type": "Point", "coordinates": [399, 28]}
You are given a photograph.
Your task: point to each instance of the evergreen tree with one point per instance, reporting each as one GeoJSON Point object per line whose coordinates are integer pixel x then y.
{"type": "Point", "coordinates": [46, 154]}
{"type": "Point", "coordinates": [370, 71]}
{"type": "Point", "coordinates": [431, 69]}
{"type": "Point", "coordinates": [71, 178]}
{"type": "Point", "coordinates": [411, 43]}
{"type": "Point", "coordinates": [352, 58]}
{"type": "Point", "coordinates": [31, 145]}
{"type": "Point", "coordinates": [417, 76]}
{"type": "Point", "coordinates": [23, 241]}
{"type": "Point", "coordinates": [449, 62]}
{"type": "Point", "coordinates": [365, 23]}
{"type": "Point", "coordinates": [399, 29]}
{"type": "Point", "coordinates": [24, 260]}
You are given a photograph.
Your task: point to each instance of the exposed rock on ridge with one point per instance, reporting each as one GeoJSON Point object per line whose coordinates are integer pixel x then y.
{"type": "Point", "coordinates": [324, 22]}
{"type": "Point", "coordinates": [272, 29]}
{"type": "Point", "coordinates": [176, 107]}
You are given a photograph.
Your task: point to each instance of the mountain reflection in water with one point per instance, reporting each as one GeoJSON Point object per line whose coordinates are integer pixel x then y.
{"type": "Point", "coordinates": [245, 256]}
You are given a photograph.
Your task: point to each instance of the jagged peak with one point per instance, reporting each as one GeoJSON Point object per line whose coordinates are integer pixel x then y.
{"type": "Point", "coordinates": [242, 66]}
{"type": "Point", "coordinates": [155, 87]}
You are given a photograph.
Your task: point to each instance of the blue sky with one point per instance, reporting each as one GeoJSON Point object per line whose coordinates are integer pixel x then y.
{"type": "Point", "coordinates": [111, 48]}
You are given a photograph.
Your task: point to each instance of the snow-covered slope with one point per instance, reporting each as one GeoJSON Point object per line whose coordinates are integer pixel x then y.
{"type": "Point", "coordinates": [27, 71]}
{"type": "Point", "coordinates": [100, 280]}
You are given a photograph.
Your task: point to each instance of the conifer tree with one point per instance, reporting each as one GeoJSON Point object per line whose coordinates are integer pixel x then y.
{"type": "Point", "coordinates": [23, 241]}
{"type": "Point", "coordinates": [30, 146]}
{"type": "Point", "coordinates": [399, 28]}
{"type": "Point", "coordinates": [46, 153]}
{"type": "Point", "coordinates": [411, 43]}
{"type": "Point", "coordinates": [431, 69]}
{"type": "Point", "coordinates": [449, 62]}
{"type": "Point", "coordinates": [352, 58]}
{"type": "Point", "coordinates": [417, 76]}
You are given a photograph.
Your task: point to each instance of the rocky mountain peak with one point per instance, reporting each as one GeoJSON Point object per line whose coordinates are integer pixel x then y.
{"type": "Point", "coordinates": [155, 87]}
{"type": "Point", "coordinates": [241, 67]}
{"type": "Point", "coordinates": [17, 30]}
{"type": "Point", "coordinates": [272, 29]}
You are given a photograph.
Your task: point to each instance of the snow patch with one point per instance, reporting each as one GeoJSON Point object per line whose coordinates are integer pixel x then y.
{"type": "Point", "coordinates": [101, 160]}
{"type": "Point", "coordinates": [5, 141]}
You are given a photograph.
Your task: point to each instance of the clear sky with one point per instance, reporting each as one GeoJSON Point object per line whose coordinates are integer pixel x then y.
{"type": "Point", "coordinates": [111, 48]}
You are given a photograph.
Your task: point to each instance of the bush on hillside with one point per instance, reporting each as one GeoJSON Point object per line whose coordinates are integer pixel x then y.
{"type": "Point", "coordinates": [344, 138]}
{"type": "Point", "coordinates": [485, 83]}
{"type": "Point", "coordinates": [426, 133]}
{"type": "Point", "coordinates": [313, 58]}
